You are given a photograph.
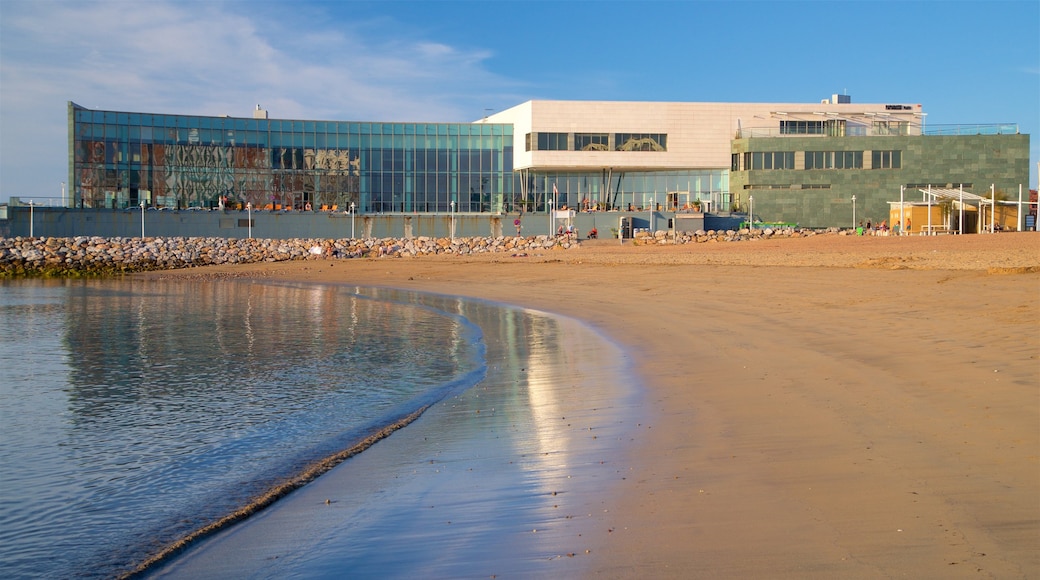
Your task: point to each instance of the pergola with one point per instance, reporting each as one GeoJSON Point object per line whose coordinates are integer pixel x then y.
{"type": "Point", "coordinates": [937, 195]}
{"type": "Point", "coordinates": [959, 198]}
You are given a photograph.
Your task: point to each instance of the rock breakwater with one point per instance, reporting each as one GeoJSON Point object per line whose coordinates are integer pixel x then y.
{"type": "Point", "coordinates": [96, 256]}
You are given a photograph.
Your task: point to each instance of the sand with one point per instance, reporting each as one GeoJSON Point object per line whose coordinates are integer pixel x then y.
{"type": "Point", "coordinates": [821, 407]}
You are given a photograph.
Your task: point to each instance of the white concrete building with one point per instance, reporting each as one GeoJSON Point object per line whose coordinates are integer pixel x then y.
{"type": "Point", "coordinates": [670, 154]}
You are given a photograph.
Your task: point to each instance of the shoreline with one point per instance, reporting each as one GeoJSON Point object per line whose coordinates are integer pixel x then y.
{"type": "Point", "coordinates": [509, 469]}
{"type": "Point", "coordinates": [851, 407]}
{"type": "Point", "coordinates": [270, 496]}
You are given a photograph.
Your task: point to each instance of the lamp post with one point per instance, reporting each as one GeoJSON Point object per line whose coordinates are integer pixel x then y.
{"type": "Point", "coordinates": [451, 234]}
{"type": "Point", "coordinates": [551, 221]}
{"type": "Point", "coordinates": [960, 221]}
{"type": "Point", "coordinates": [854, 212]}
{"type": "Point", "coordinates": [902, 212]}
{"type": "Point", "coordinates": [31, 220]}
{"type": "Point", "coordinates": [352, 213]}
{"type": "Point", "coordinates": [142, 220]}
{"type": "Point", "coordinates": [249, 219]}
{"type": "Point", "coordinates": [993, 208]}
{"type": "Point", "coordinates": [751, 212]}
{"type": "Point", "coordinates": [653, 200]}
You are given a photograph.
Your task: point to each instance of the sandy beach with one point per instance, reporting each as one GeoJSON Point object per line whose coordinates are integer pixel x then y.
{"type": "Point", "coordinates": [821, 407]}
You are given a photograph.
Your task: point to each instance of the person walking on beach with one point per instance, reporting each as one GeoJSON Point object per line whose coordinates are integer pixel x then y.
{"type": "Point", "coordinates": [517, 225]}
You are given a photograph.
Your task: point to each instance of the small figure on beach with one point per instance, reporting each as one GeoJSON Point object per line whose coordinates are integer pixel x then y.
{"type": "Point", "coordinates": [518, 226]}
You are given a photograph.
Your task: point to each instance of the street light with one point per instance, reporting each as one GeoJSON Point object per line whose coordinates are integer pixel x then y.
{"type": "Point", "coordinates": [653, 200]}
{"type": "Point", "coordinates": [352, 207]}
{"type": "Point", "coordinates": [249, 219]}
{"type": "Point", "coordinates": [451, 234]}
{"type": "Point", "coordinates": [854, 212]}
{"type": "Point", "coordinates": [142, 220]}
{"type": "Point", "coordinates": [751, 212]}
{"type": "Point", "coordinates": [31, 220]}
{"type": "Point", "coordinates": [551, 221]}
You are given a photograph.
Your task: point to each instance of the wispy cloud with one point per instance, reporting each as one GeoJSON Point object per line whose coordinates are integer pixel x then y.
{"type": "Point", "coordinates": [212, 59]}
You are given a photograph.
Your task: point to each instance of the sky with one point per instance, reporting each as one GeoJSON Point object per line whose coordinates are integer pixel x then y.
{"type": "Point", "coordinates": [442, 61]}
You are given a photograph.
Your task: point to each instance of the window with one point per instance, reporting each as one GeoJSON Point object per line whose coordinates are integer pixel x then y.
{"type": "Point", "coordinates": [549, 142]}
{"type": "Point", "coordinates": [769, 160]}
{"type": "Point", "coordinates": [891, 127]}
{"type": "Point", "coordinates": [802, 128]}
{"type": "Point", "coordinates": [590, 142]}
{"type": "Point", "coordinates": [886, 160]}
{"type": "Point", "coordinates": [834, 160]}
{"type": "Point", "coordinates": [734, 163]}
{"type": "Point", "coordinates": [640, 142]}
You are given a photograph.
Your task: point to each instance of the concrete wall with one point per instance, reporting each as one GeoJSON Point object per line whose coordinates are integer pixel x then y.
{"type": "Point", "coordinates": [69, 222]}
{"type": "Point", "coordinates": [699, 134]}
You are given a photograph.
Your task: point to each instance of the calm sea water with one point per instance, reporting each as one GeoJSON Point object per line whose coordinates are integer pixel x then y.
{"type": "Point", "coordinates": [132, 412]}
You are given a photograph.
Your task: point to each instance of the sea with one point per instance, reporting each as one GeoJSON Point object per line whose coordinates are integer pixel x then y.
{"type": "Point", "coordinates": [134, 411]}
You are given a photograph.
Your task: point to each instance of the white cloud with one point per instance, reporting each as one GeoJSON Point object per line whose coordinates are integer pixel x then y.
{"type": "Point", "coordinates": [213, 59]}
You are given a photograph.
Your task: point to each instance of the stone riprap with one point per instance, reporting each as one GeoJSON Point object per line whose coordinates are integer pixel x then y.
{"type": "Point", "coordinates": [101, 256]}
{"type": "Point", "coordinates": [92, 256]}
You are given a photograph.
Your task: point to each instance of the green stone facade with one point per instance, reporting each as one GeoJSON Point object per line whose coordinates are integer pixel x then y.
{"type": "Point", "coordinates": [823, 197]}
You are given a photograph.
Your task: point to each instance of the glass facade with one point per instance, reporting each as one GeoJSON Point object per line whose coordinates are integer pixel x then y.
{"type": "Point", "coordinates": [625, 190]}
{"type": "Point", "coordinates": [178, 161]}
{"type": "Point", "coordinates": [121, 160]}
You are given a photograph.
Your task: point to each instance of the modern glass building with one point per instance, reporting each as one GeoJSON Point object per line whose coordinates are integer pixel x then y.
{"type": "Point", "coordinates": [803, 163]}
{"type": "Point", "coordinates": [121, 159]}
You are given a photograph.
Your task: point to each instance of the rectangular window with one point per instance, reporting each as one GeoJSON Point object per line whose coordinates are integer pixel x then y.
{"type": "Point", "coordinates": [590, 142]}
{"type": "Point", "coordinates": [770, 160]}
{"type": "Point", "coordinates": [640, 142]}
{"type": "Point", "coordinates": [834, 160]}
{"type": "Point", "coordinates": [886, 159]}
{"type": "Point", "coordinates": [734, 162]}
{"type": "Point", "coordinates": [891, 128]}
{"type": "Point", "coordinates": [550, 141]}
{"type": "Point", "coordinates": [801, 127]}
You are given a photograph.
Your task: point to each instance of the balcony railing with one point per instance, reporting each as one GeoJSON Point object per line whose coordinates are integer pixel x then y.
{"type": "Point", "coordinates": [991, 129]}
{"type": "Point", "coordinates": [869, 131]}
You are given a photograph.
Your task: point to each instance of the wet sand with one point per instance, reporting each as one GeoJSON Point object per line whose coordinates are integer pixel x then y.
{"type": "Point", "coordinates": [507, 478]}
{"type": "Point", "coordinates": [816, 408]}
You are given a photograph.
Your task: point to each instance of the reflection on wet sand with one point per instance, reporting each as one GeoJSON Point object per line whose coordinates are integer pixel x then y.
{"type": "Point", "coordinates": [504, 478]}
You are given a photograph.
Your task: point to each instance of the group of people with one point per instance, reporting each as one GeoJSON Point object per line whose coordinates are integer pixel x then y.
{"type": "Point", "coordinates": [880, 229]}
{"type": "Point", "coordinates": [569, 231]}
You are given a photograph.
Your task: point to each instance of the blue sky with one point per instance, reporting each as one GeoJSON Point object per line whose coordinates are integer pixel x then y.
{"type": "Point", "coordinates": [965, 62]}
